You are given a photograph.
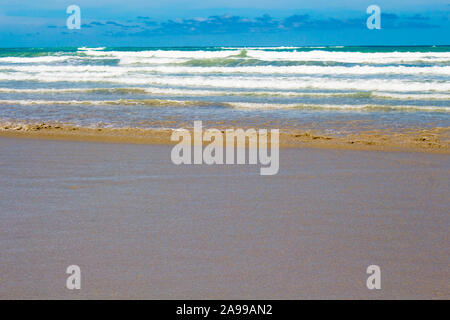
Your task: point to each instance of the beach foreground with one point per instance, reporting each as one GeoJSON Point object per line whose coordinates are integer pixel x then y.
{"type": "Point", "coordinates": [140, 227]}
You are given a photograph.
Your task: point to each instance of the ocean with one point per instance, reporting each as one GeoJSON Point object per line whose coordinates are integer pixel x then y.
{"type": "Point", "coordinates": [335, 89]}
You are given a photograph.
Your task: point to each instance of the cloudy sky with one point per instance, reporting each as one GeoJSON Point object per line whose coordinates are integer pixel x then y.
{"type": "Point", "coordinates": [223, 22]}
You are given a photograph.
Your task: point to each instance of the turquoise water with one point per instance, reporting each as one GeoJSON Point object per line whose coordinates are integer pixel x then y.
{"type": "Point", "coordinates": [332, 88]}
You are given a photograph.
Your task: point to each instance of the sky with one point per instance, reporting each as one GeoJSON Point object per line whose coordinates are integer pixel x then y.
{"type": "Point", "coordinates": [140, 23]}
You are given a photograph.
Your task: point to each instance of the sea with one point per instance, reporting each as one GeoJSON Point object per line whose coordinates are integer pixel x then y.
{"type": "Point", "coordinates": [337, 89]}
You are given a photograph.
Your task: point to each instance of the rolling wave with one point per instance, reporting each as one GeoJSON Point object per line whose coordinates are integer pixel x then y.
{"type": "Point", "coordinates": [237, 105]}
{"type": "Point", "coordinates": [306, 70]}
{"type": "Point", "coordinates": [277, 82]}
{"type": "Point", "coordinates": [205, 93]}
{"type": "Point", "coordinates": [231, 58]}
{"type": "Point", "coordinates": [120, 102]}
{"type": "Point", "coordinates": [227, 83]}
{"type": "Point", "coordinates": [364, 107]}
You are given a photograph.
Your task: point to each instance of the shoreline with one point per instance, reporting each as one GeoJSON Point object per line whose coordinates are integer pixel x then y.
{"type": "Point", "coordinates": [435, 140]}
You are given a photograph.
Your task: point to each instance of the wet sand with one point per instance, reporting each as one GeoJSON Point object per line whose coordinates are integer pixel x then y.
{"type": "Point", "coordinates": [141, 227]}
{"type": "Point", "coordinates": [433, 140]}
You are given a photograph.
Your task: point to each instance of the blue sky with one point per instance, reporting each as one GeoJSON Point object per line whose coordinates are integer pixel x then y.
{"type": "Point", "coordinates": [219, 22]}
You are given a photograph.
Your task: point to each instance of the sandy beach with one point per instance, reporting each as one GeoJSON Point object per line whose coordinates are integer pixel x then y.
{"type": "Point", "coordinates": [433, 140]}
{"type": "Point", "coordinates": [140, 227]}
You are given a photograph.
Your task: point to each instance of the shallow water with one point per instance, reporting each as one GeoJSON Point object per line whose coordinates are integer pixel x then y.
{"type": "Point", "coordinates": [329, 88]}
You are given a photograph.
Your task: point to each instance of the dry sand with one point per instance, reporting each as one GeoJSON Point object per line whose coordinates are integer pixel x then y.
{"type": "Point", "coordinates": [141, 227]}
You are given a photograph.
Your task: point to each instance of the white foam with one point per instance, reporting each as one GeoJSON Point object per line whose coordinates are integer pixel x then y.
{"type": "Point", "coordinates": [237, 105]}
{"type": "Point", "coordinates": [366, 107]}
{"type": "Point", "coordinates": [126, 102]}
{"type": "Point", "coordinates": [398, 85]}
{"type": "Point", "coordinates": [177, 56]}
{"type": "Point", "coordinates": [45, 59]}
{"type": "Point", "coordinates": [267, 70]}
{"type": "Point", "coordinates": [354, 57]}
{"type": "Point", "coordinates": [188, 92]}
